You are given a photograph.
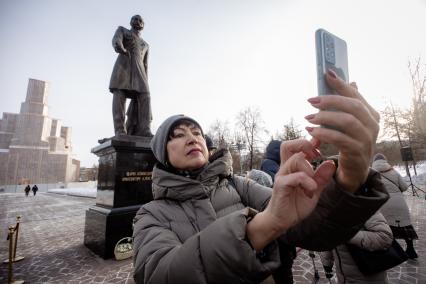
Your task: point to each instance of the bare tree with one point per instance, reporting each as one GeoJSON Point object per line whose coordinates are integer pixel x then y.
{"type": "Point", "coordinates": [396, 123]}
{"type": "Point", "coordinates": [291, 131]}
{"type": "Point", "coordinates": [220, 134]}
{"type": "Point", "coordinates": [391, 150]}
{"type": "Point", "coordinates": [250, 124]}
{"type": "Point", "coordinates": [409, 125]}
{"type": "Point", "coordinates": [418, 109]}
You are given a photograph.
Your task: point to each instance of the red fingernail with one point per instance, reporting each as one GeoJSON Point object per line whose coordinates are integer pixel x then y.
{"type": "Point", "coordinates": [309, 129]}
{"type": "Point", "coordinates": [309, 117]}
{"type": "Point", "coordinates": [331, 73]}
{"type": "Point", "coordinates": [314, 100]}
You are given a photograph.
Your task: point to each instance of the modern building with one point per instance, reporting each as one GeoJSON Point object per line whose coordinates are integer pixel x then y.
{"type": "Point", "coordinates": [35, 148]}
{"type": "Point", "coordinates": [88, 174]}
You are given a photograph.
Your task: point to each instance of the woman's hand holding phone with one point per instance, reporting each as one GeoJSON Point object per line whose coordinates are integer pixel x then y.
{"type": "Point", "coordinates": [359, 126]}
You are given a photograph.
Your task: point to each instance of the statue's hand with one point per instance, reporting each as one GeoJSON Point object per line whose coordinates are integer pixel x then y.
{"type": "Point", "coordinates": [120, 49]}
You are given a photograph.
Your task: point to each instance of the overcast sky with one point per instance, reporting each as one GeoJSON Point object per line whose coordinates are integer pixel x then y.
{"type": "Point", "coordinates": [208, 59]}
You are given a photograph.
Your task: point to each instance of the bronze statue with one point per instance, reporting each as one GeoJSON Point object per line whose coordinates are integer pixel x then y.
{"type": "Point", "coordinates": [129, 80]}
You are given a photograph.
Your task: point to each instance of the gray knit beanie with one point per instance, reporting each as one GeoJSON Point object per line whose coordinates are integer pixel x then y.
{"type": "Point", "coordinates": [260, 177]}
{"type": "Point", "coordinates": [159, 141]}
{"type": "Point", "coordinates": [379, 156]}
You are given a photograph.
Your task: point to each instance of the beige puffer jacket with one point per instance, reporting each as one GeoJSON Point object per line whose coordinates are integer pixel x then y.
{"type": "Point", "coordinates": [376, 235]}
{"type": "Point", "coordinates": [395, 210]}
{"type": "Point", "coordinates": [194, 231]}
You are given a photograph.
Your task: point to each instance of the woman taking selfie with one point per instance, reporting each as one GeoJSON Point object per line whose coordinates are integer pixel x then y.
{"type": "Point", "coordinates": [203, 225]}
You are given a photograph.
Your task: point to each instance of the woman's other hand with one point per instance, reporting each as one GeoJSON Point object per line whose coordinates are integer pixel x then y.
{"type": "Point", "coordinates": [296, 191]}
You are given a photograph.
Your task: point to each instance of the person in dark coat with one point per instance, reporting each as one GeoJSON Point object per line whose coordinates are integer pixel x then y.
{"type": "Point", "coordinates": [271, 163]}
{"type": "Point", "coordinates": [129, 79]}
{"type": "Point", "coordinates": [283, 274]}
{"type": "Point", "coordinates": [376, 235]}
{"type": "Point", "coordinates": [27, 190]}
{"type": "Point", "coordinates": [35, 189]}
{"type": "Point", "coordinates": [210, 145]}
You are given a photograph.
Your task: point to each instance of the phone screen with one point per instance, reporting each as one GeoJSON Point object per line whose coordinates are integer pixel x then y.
{"type": "Point", "coordinates": [331, 53]}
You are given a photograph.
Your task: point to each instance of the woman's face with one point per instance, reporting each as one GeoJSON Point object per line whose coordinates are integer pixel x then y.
{"type": "Point", "coordinates": [186, 149]}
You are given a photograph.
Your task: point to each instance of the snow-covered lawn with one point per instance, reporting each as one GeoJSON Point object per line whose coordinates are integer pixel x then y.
{"type": "Point", "coordinates": [77, 191]}
{"type": "Point", "coordinates": [419, 180]}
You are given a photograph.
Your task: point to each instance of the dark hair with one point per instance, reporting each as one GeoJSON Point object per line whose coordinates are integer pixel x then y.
{"type": "Point", "coordinates": [209, 143]}
{"type": "Point", "coordinates": [131, 20]}
{"type": "Point", "coordinates": [184, 122]}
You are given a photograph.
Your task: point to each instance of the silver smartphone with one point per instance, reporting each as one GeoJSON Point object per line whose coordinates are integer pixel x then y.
{"type": "Point", "coordinates": [331, 53]}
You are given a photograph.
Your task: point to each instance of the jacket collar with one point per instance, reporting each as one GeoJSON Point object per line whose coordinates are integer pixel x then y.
{"type": "Point", "coordinates": [178, 187]}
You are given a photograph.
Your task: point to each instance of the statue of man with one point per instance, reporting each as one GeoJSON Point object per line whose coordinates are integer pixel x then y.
{"type": "Point", "coordinates": [129, 80]}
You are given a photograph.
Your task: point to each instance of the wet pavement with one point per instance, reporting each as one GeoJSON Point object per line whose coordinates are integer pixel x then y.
{"type": "Point", "coordinates": [51, 240]}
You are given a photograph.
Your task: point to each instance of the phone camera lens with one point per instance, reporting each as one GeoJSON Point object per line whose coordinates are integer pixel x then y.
{"type": "Point", "coordinates": [329, 49]}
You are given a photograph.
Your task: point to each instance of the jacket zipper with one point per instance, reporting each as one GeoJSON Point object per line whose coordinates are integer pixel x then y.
{"type": "Point", "coordinates": [194, 225]}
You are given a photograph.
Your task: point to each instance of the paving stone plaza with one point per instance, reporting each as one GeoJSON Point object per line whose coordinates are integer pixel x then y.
{"type": "Point", "coordinates": [51, 240]}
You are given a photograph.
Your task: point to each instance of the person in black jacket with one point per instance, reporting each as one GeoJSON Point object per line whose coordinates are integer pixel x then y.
{"type": "Point", "coordinates": [35, 189]}
{"type": "Point", "coordinates": [271, 165]}
{"type": "Point", "coordinates": [210, 145]}
{"type": "Point", "coordinates": [27, 190]}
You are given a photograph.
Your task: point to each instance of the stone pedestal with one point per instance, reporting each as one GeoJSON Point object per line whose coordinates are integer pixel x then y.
{"type": "Point", "coordinates": [124, 184]}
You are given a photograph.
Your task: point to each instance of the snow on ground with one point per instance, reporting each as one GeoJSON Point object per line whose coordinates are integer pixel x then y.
{"type": "Point", "coordinates": [419, 179]}
{"type": "Point", "coordinates": [77, 191]}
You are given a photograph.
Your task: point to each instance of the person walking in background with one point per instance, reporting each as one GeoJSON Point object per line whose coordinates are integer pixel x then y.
{"type": "Point", "coordinates": [395, 210]}
{"type": "Point", "coordinates": [27, 190]}
{"type": "Point", "coordinates": [271, 163]}
{"type": "Point", "coordinates": [376, 235]}
{"type": "Point", "coordinates": [35, 189]}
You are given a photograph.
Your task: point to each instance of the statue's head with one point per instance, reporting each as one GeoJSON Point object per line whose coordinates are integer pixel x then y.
{"type": "Point", "coordinates": [136, 22]}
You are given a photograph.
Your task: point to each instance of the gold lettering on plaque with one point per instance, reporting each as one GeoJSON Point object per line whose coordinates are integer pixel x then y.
{"type": "Point", "coordinates": [137, 176]}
